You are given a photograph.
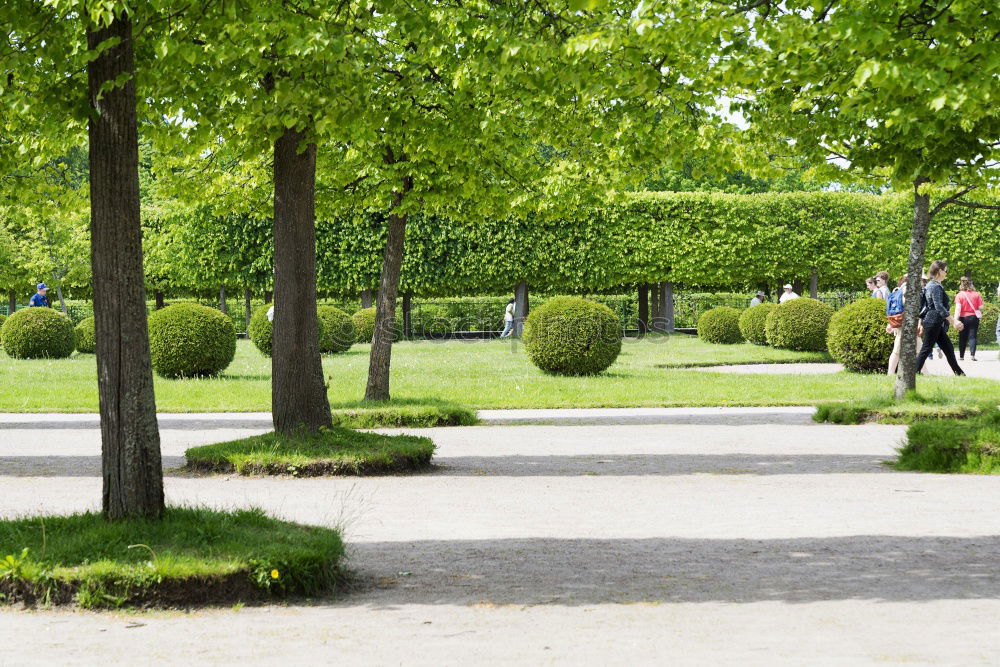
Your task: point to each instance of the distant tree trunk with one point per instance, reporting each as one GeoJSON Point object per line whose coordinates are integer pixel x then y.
{"type": "Point", "coordinates": [797, 286]}
{"type": "Point", "coordinates": [222, 300]}
{"type": "Point", "coordinates": [247, 310]}
{"type": "Point", "coordinates": [366, 298]}
{"type": "Point", "coordinates": [407, 315]}
{"type": "Point", "coordinates": [130, 438]}
{"type": "Point", "coordinates": [268, 296]}
{"type": "Point", "coordinates": [906, 378]}
{"type": "Point", "coordinates": [814, 284]}
{"type": "Point", "coordinates": [667, 305]}
{"type": "Point", "coordinates": [643, 309]}
{"type": "Point", "coordinates": [159, 300]}
{"type": "Point", "coordinates": [11, 302]}
{"type": "Point", "coordinates": [298, 390]}
{"type": "Point", "coordinates": [59, 294]}
{"type": "Point", "coordinates": [656, 316]}
{"type": "Point", "coordinates": [521, 307]}
{"type": "Point", "coordinates": [385, 305]}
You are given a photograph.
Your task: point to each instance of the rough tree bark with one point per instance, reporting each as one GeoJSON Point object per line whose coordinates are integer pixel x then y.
{"type": "Point", "coordinates": [298, 391]}
{"type": "Point", "coordinates": [643, 309]}
{"type": "Point", "coordinates": [366, 298]}
{"type": "Point", "coordinates": [906, 378]}
{"type": "Point", "coordinates": [521, 307]}
{"type": "Point", "coordinates": [385, 303]}
{"type": "Point", "coordinates": [130, 438]}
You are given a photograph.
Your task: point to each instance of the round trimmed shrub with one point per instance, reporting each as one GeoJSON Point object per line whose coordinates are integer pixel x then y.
{"type": "Point", "coordinates": [799, 324]}
{"type": "Point", "coordinates": [364, 324]}
{"type": "Point", "coordinates": [190, 340]}
{"type": "Point", "coordinates": [753, 321]}
{"type": "Point", "coordinates": [857, 337]}
{"type": "Point", "coordinates": [572, 336]}
{"type": "Point", "coordinates": [987, 326]}
{"type": "Point", "coordinates": [338, 333]}
{"type": "Point", "coordinates": [720, 325]}
{"type": "Point", "coordinates": [38, 333]}
{"type": "Point", "coordinates": [261, 327]}
{"type": "Point", "coordinates": [85, 338]}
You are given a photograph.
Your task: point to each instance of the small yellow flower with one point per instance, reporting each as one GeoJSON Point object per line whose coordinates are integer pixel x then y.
{"type": "Point", "coordinates": [275, 574]}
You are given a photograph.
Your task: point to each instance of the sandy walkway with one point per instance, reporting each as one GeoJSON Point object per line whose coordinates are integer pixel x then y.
{"type": "Point", "coordinates": [987, 366]}
{"type": "Point", "coordinates": [684, 542]}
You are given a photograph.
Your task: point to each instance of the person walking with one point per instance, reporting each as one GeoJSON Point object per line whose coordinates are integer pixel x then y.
{"type": "Point", "coordinates": [758, 299]}
{"type": "Point", "coordinates": [969, 311]}
{"type": "Point", "coordinates": [508, 320]}
{"type": "Point", "coordinates": [937, 319]}
{"type": "Point", "coordinates": [39, 298]}
{"type": "Point", "coordinates": [788, 295]}
{"type": "Point", "coordinates": [881, 285]}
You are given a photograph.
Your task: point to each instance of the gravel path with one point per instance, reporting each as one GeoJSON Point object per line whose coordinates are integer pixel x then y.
{"type": "Point", "coordinates": [689, 542]}
{"type": "Point", "coordinates": [986, 366]}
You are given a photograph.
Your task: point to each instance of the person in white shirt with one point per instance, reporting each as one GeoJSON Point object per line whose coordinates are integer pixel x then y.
{"type": "Point", "coordinates": [758, 299]}
{"type": "Point", "coordinates": [788, 295]}
{"type": "Point", "coordinates": [508, 320]}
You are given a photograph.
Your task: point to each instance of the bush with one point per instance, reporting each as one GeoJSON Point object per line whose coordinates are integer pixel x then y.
{"type": "Point", "coordinates": [987, 326]}
{"type": "Point", "coordinates": [364, 324]}
{"type": "Point", "coordinates": [3, 318]}
{"type": "Point", "coordinates": [720, 325]}
{"type": "Point", "coordinates": [799, 324]}
{"type": "Point", "coordinates": [261, 327]}
{"type": "Point", "coordinates": [953, 445]}
{"type": "Point", "coordinates": [85, 338]}
{"type": "Point", "coordinates": [572, 336]}
{"type": "Point", "coordinates": [38, 333]}
{"type": "Point", "coordinates": [434, 320]}
{"type": "Point", "coordinates": [752, 321]}
{"type": "Point", "coordinates": [338, 333]}
{"type": "Point", "coordinates": [189, 340]}
{"type": "Point", "coordinates": [857, 337]}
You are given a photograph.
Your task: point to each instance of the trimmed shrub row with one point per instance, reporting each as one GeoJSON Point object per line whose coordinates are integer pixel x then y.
{"type": "Point", "coordinates": [800, 324]}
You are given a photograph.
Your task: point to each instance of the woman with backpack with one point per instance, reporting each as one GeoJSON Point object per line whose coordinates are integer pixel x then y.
{"type": "Point", "coordinates": [969, 311]}
{"type": "Point", "coordinates": [894, 314]}
{"type": "Point", "coordinates": [937, 318]}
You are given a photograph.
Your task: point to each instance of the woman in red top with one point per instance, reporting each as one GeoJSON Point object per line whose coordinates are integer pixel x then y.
{"type": "Point", "coordinates": [968, 309]}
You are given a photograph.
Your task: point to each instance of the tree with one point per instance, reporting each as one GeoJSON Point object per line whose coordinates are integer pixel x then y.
{"type": "Point", "coordinates": [901, 93]}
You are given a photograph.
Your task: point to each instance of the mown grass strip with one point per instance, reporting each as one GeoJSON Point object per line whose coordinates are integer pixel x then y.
{"type": "Point", "coordinates": [912, 409]}
{"type": "Point", "coordinates": [402, 413]}
{"type": "Point", "coordinates": [192, 557]}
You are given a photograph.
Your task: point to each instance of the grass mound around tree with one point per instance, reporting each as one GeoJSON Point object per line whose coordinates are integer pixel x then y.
{"type": "Point", "coordinates": [86, 339]}
{"type": "Point", "coordinates": [886, 410]}
{"type": "Point", "coordinates": [192, 557]}
{"type": "Point", "coordinates": [331, 451]}
{"type": "Point", "coordinates": [399, 413]}
{"type": "Point", "coordinates": [953, 445]}
{"type": "Point", "coordinates": [190, 340]}
{"type": "Point", "coordinates": [720, 325]}
{"type": "Point", "coordinates": [752, 322]}
{"type": "Point", "coordinates": [569, 335]}
{"type": "Point", "coordinates": [338, 330]}
{"type": "Point", "coordinates": [857, 337]}
{"type": "Point", "coordinates": [38, 333]}
{"type": "Point", "coordinates": [799, 324]}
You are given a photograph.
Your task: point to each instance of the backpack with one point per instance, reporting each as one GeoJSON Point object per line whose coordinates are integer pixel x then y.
{"type": "Point", "coordinates": [894, 302]}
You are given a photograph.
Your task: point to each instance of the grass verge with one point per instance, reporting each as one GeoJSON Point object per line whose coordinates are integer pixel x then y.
{"type": "Point", "coordinates": [333, 451]}
{"type": "Point", "coordinates": [914, 408]}
{"type": "Point", "coordinates": [402, 413]}
{"type": "Point", "coordinates": [191, 557]}
{"type": "Point", "coordinates": [953, 446]}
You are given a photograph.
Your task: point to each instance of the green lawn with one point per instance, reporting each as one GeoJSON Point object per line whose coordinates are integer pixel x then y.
{"type": "Point", "coordinates": [482, 374]}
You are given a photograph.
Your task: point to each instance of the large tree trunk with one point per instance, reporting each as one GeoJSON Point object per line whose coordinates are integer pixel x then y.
{"type": "Point", "coordinates": [906, 378]}
{"type": "Point", "coordinates": [521, 307]}
{"type": "Point", "coordinates": [130, 438]}
{"type": "Point", "coordinates": [298, 392]}
{"type": "Point", "coordinates": [643, 309]}
{"type": "Point", "coordinates": [385, 302]}
{"type": "Point", "coordinates": [247, 309]}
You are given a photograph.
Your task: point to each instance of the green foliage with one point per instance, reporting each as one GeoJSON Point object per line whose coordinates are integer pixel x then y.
{"type": "Point", "coordinates": [190, 557]}
{"type": "Point", "coordinates": [38, 333]}
{"type": "Point", "coordinates": [338, 330]}
{"type": "Point", "coordinates": [260, 330]}
{"type": "Point", "coordinates": [3, 318]}
{"type": "Point", "coordinates": [572, 336]}
{"type": "Point", "coordinates": [720, 325]}
{"type": "Point", "coordinates": [188, 340]}
{"type": "Point", "coordinates": [85, 336]}
{"type": "Point", "coordinates": [364, 324]}
{"type": "Point", "coordinates": [953, 446]}
{"type": "Point", "coordinates": [752, 322]}
{"type": "Point", "coordinates": [332, 451]}
{"type": "Point", "coordinates": [799, 324]}
{"type": "Point", "coordinates": [857, 338]}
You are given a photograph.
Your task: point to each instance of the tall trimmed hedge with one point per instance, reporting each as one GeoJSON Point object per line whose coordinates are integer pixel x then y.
{"type": "Point", "coordinates": [753, 320]}
{"type": "Point", "coordinates": [799, 324]}
{"type": "Point", "coordinates": [38, 333]}
{"type": "Point", "coordinates": [857, 338]}
{"type": "Point", "coordinates": [189, 340]}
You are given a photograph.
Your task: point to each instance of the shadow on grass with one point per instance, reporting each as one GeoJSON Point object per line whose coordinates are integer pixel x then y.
{"type": "Point", "coordinates": [673, 570]}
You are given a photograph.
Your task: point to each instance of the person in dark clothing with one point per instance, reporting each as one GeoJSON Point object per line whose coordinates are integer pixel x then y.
{"type": "Point", "coordinates": [937, 318]}
{"type": "Point", "coordinates": [39, 298]}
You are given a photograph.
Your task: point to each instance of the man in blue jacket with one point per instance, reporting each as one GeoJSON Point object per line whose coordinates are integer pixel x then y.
{"type": "Point", "coordinates": [39, 300]}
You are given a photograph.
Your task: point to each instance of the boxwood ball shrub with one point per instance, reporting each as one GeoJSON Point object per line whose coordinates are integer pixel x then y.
{"type": "Point", "coordinates": [857, 337]}
{"type": "Point", "coordinates": [572, 336]}
{"type": "Point", "coordinates": [338, 332]}
{"type": "Point", "coordinates": [720, 325]}
{"type": "Point", "coordinates": [752, 321]}
{"type": "Point", "coordinates": [261, 327]}
{"type": "Point", "coordinates": [364, 324]}
{"type": "Point", "coordinates": [38, 333]}
{"type": "Point", "coordinates": [190, 340]}
{"type": "Point", "coordinates": [85, 338]}
{"type": "Point", "coordinates": [799, 324]}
